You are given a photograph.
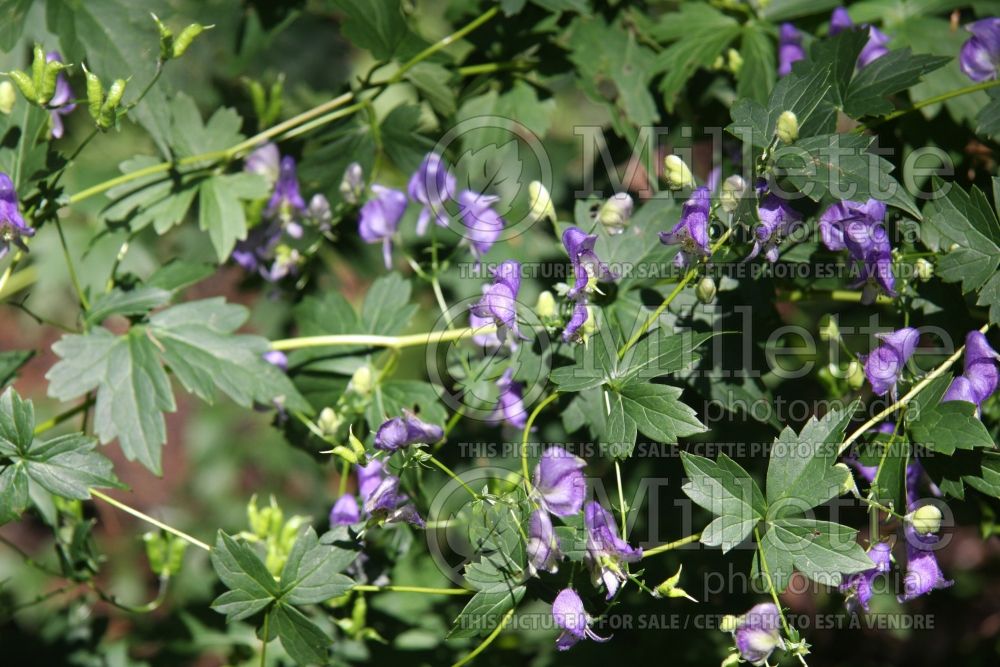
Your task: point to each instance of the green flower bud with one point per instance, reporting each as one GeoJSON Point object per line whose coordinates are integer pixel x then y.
{"type": "Point", "coordinates": [25, 85]}
{"type": "Point", "coordinates": [729, 623]}
{"type": "Point", "coordinates": [788, 127]}
{"type": "Point", "coordinates": [108, 113]}
{"type": "Point", "coordinates": [732, 191]}
{"type": "Point", "coordinates": [8, 97]}
{"type": "Point", "coordinates": [274, 99]}
{"type": "Point", "coordinates": [541, 202]}
{"type": "Point", "coordinates": [48, 89]}
{"type": "Point", "coordinates": [615, 213]}
{"type": "Point", "coordinates": [706, 289]}
{"type": "Point", "coordinates": [828, 329]}
{"type": "Point", "coordinates": [264, 522]}
{"type": "Point", "coordinates": [734, 61]}
{"type": "Point", "coordinates": [164, 552]}
{"type": "Point", "coordinates": [38, 63]}
{"type": "Point", "coordinates": [166, 39]}
{"type": "Point", "coordinates": [855, 375]}
{"type": "Point", "coordinates": [545, 307]}
{"type": "Point", "coordinates": [847, 484]}
{"type": "Point", "coordinates": [925, 519]}
{"type": "Point", "coordinates": [669, 589]}
{"type": "Point", "coordinates": [187, 36]}
{"type": "Point", "coordinates": [677, 173]}
{"type": "Point", "coordinates": [923, 269]}
{"type": "Point", "coordinates": [362, 381]}
{"type": "Point", "coordinates": [95, 93]}
{"type": "Point", "coordinates": [329, 421]}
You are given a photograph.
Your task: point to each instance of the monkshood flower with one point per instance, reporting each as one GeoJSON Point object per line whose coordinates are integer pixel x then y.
{"type": "Point", "coordinates": [543, 546]}
{"type": "Point", "coordinates": [487, 341]}
{"type": "Point", "coordinates": [286, 262]}
{"type": "Point", "coordinates": [369, 477]}
{"type": "Point", "coordinates": [789, 48]}
{"type": "Point", "coordinates": [558, 479]}
{"type": "Point", "coordinates": [980, 55]}
{"type": "Point", "coordinates": [431, 185]}
{"type": "Point", "coordinates": [399, 432]}
{"type": "Point", "coordinates": [13, 228]}
{"type": "Point", "coordinates": [380, 218]}
{"type": "Point", "coordinates": [859, 586]}
{"type": "Point", "coordinates": [253, 252]}
{"type": "Point", "coordinates": [758, 633]}
{"type": "Point", "coordinates": [691, 231]}
{"type": "Point", "coordinates": [923, 574]}
{"type": "Point", "coordinates": [60, 98]}
{"type": "Point", "coordinates": [276, 358]}
{"type": "Point", "coordinates": [859, 228]}
{"type": "Point", "coordinates": [573, 330]}
{"type": "Point", "coordinates": [499, 302]}
{"type": "Point", "coordinates": [388, 503]}
{"type": "Point", "coordinates": [606, 550]}
{"type": "Point", "coordinates": [319, 212]}
{"type": "Point", "coordinates": [345, 511]}
{"type": "Point", "coordinates": [286, 201]}
{"type": "Point", "coordinates": [980, 366]}
{"type": "Point", "coordinates": [960, 389]}
{"type": "Point", "coordinates": [587, 266]}
{"type": "Point", "coordinates": [776, 220]}
{"type": "Point", "coordinates": [352, 183]}
{"type": "Point", "coordinates": [510, 405]}
{"type": "Point", "coordinates": [886, 362]}
{"type": "Point", "coordinates": [483, 224]}
{"type": "Point", "coordinates": [873, 49]}
{"type": "Point", "coordinates": [614, 214]}
{"type": "Point", "coordinates": [264, 161]}
{"type": "Point", "coordinates": [570, 617]}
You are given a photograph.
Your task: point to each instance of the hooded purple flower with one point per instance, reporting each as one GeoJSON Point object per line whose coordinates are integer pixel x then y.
{"type": "Point", "coordinates": [960, 389]}
{"type": "Point", "coordinates": [369, 477]}
{"type": "Point", "coordinates": [276, 358]}
{"type": "Point", "coordinates": [388, 503]}
{"type": "Point", "coordinates": [59, 102]}
{"type": "Point", "coordinates": [570, 616]}
{"type": "Point", "coordinates": [431, 185]}
{"type": "Point", "coordinates": [873, 49]}
{"type": "Point", "coordinates": [499, 302]}
{"type": "Point", "coordinates": [286, 200]}
{"type": "Point", "coordinates": [587, 266]}
{"type": "Point", "coordinates": [758, 633]}
{"type": "Point", "coordinates": [776, 220]}
{"type": "Point", "coordinates": [980, 55]}
{"type": "Point", "coordinates": [980, 366]}
{"type": "Point", "coordinates": [859, 228]}
{"type": "Point", "coordinates": [558, 478]}
{"type": "Point", "coordinates": [12, 226]}
{"type": "Point", "coordinates": [510, 406]}
{"type": "Point", "coordinates": [487, 341]}
{"type": "Point", "coordinates": [380, 218]}
{"type": "Point", "coordinates": [399, 432]}
{"type": "Point", "coordinates": [691, 231]}
{"type": "Point", "coordinates": [923, 574]}
{"type": "Point", "coordinates": [484, 225]}
{"type": "Point", "coordinates": [264, 161]}
{"type": "Point", "coordinates": [789, 48]}
{"type": "Point", "coordinates": [543, 546]}
{"type": "Point", "coordinates": [579, 318]}
{"type": "Point", "coordinates": [859, 586]}
{"type": "Point", "coordinates": [606, 550]}
{"type": "Point", "coordinates": [345, 511]}
{"type": "Point", "coordinates": [886, 362]}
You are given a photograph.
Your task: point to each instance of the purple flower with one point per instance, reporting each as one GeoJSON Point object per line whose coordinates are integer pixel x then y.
{"type": "Point", "coordinates": [840, 20]}
{"type": "Point", "coordinates": [253, 252]}
{"type": "Point", "coordinates": [345, 511]}
{"type": "Point", "coordinates": [276, 358]}
{"type": "Point", "coordinates": [488, 341]}
{"type": "Point", "coordinates": [12, 226]}
{"type": "Point", "coordinates": [484, 225]}
{"type": "Point", "coordinates": [859, 586]}
{"type": "Point", "coordinates": [399, 432]}
{"type": "Point", "coordinates": [578, 319]}
{"type": "Point", "coordinates": [980, 55]}
{"type": "Point", "coordinates": [286, 200]}
{"type": "Point", "coordinates": [380, 218]}
{"type": "Point", "coordinates": [758, 633]}
{"type": "Point", "coordinates": [369, 477]}
{"type": "Point", "coordinates": [542, 547]}
{"type": "Point", "coordinates": [570, 616]}
{"type": "Point", "coordinates": [691, 231]}
{"type": "Point", "coordinates": [789, 48]}
{"type": "Point", "coordinates": [510, 406]}
{"type": "Point", "coordinates": [558, 478]}
{"type": "Point", "coordinates": [499, 302]}
{"type": "Point", "coordinates": [386, 502]}
{"type": "Point", "coordinates": [859, 228]}
{"type": "Point", "coordinates": [59, 103]}
{"type": "Point", "coordinates": [960, 389]}
{"type": "Point", "coordinates": [885, 364]}
{"type": "Point", "coordinates": [265, 161]}
{"type": "Point", "coordinates": [606, 550]}
{"type": "Point", "coordinates": [837, 217]}
{"type": "Point", "coordinates": [587, 266]}
{"type": "Point", "coordinates": [776, 221]}
{"type": "Point", "coordinates": [873, 49]}
{"type": "Point", "coordinates": [980, 366]}
{"type": "Point", "coordinates": [431, 185]}
{"type": "Point", "coordinates": [923, 574]}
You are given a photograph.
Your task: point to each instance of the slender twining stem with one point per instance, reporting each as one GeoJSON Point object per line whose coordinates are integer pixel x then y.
{"type": "Point", "coordinates": [688, 277]}
{"type": "Point", "coordinates": [670, 546]}
{"type": "Point", "coordinates": [44, 426]}
{"type": "Point", "coordinates": [527, 430]}
{"type": "Point", "coordinates": [412, 589]}
{"type": "Point", "coordinates": [444, 42]}
{"type": "Point", "coordinates": [486, 642]}
{"type": "Point", "coordinates": [367, 340]}
{"type": "Point", "coordinates": [621, 500]}
{"type": "Point", "coordinates": [905, 400]}
{"type": "Point", "coordinates": [451, 473]}
{"type": "Point", "coordinates": [873, 506]}
{"type": "Point", "coordinates": [770, 582]}
{"type": "Point", "coordinates": [150, 520]}
{"type": "Point", "coordinates": [943, 97]}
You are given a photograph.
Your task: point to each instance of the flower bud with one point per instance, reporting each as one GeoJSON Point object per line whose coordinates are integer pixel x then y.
{"type": "Point", "coordinates": [828, 329]}
{"type": "Point", "coordinates": [109, 109]}
{"type": "Point", "coordinates": [615, 212]}
{"type": "Point", "coordinates": [677, 173]}
{"type": "Point", "coordinates": [7, 97]}
{"type": "Point", "coordinates": [361, 381]}
{"type": "Point", "coordinates": [923, 269]}
{"type": "Point", "coordinates": [732, 191]}
{"type": "Point", "coordinates": [545, 307]}
{"type": "Point", "coordinates": [352, 184]}
{"type": "Point", "coordinates": [788, 127]}
{"type": "Point", "coordinates": [729, 623]}
{"type": "Point", "coordinates": [164, 552]}
{"type": "Point", "coordinates": [166, 39]}
{"type": "Point", "coordinates": [669, 589]}
{"type": "Point", "coordinates": [187, 36]}
{"type": "Point", "coordinates": [706, 289]}
{"type": "Point", "coordinates": [38, 62]}
{"type": "Point", "coordinates": [328, 421]}
{"type": "Point", "coordinates": [25, 85]}
{"type": "Point", "coordinates": [541, 202]}
{"type": "Point", "coordinates": [95, 93]}
{"type": "Point", "coordinates": [855, 375]}
{"type": "Point", "coordinates": [925, 519]}
{"type": "Point", "coordinates": [847, 484]}
{"type": "Point", "coordinates": [734, 61]}
{"type": "Point", "coordinates": [52, 70]}
{"type": "Point", "coordinates": [731, 660]}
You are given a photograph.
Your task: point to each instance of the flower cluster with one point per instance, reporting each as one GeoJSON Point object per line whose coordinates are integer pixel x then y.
{"type": "Point", "coordinates": [588, 269]}
{"type": "Point", "coordinates": [691, 230]}
{"type": "Point", "coordinates": [380, 499]}
{"type": "Point", "coordinates": [860, 229]}
{"type": "Point", "coordinates": [559, 489]}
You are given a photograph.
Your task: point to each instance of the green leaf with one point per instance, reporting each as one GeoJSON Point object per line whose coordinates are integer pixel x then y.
{"type": "Point", "coordinates": [725, 489]}
{"type": "Point", "coordinates": [896, 71]}
{"type": "Point", "coordinates": [387, 309]}
{"type": "Point", "coordinates": [15, 12]}
{"type": "Point", "coordinates": [786, 10]}
{"type": "Point", "coordinates": [434, 83]}
{"type": "Point", "coordinates": [890, 456]}
{"type": "Point", "coordinates": [661, 353]}
{"type": "Point", "coordinates": [220, 210]}
{"type": "Point", "coordinates": [13, 492]}
{"type": "Point", "coordinates": [801, 473]}
{"type": "Point", "coordinates": [402, 139]}
{"type": "Point", "coordinates": [620, 430]}
{"type": "Point", "coordinates": [799, 93]}
{"type": "Point", "coordinates": [252, 588]}
{"type": "Point", "coordinates": [17, 423]}
{"type": "Point", "coordinates": [757, 75]}
{"type": "Point", "coordinates": [375, 25]}
{"type": "Point", "coordinates": [11, 362]}
{"type": "Point", "coordinates": [178, 274]}
{"type": "Point", "coordinates": [950, 426]}
{"type": "Point", "coordinates": [311, 573]}
{"type": "Point", "coordinates": [824, 552]}
{"type": "Point", "coordinates": [394, 396]}
{"type": "Point", "coordinates": [595, 364]}
{"type": "Point", "coordinates": [658, 412]}
{"type": "Point", "coordinates": [697, 48]}
{"type": "Point", "coordinates": [485, 610]}
{"type": "Point", "coordinates": [157, 199]}
{"type": "Point", "coordinates": [138, 301]}
{"type": "Point", "coordinates": [988, 119]}
{"type": "Point", "coordinates": [302, 639]}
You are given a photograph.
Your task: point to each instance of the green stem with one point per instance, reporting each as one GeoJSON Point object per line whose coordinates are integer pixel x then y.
{"type": "Point", "coordinates": [943, 97]}
{"type": "Point", "coordinates": [833, 295]}
{"type": "Point", "coordinates": [413, 589]}
{"type": "Point", "coordinates": [150, 520]}
{"type": "Point", "coordinates": [44, 426]}
{"type": "Point", "coordinates": [411, 340]}
{"type": "Point", "coordinates": [451, 473]}
{"type": "Point", "coordinates": [621, 500]}
{"type": "Point", "coordinates": [670, 546]}
{"type": "Point", "coordinates": [770, 583]}
{"type": "Point", "coordinates": [486, 642]}
{"type": "Point", "coordinates": [263, 640]}
{"type": "Point", "coordinates": [71, 267]}
{"type": "Point", "coordinates": [527, 430]}
{"type": "Point", "coordinates": [443, 43]}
